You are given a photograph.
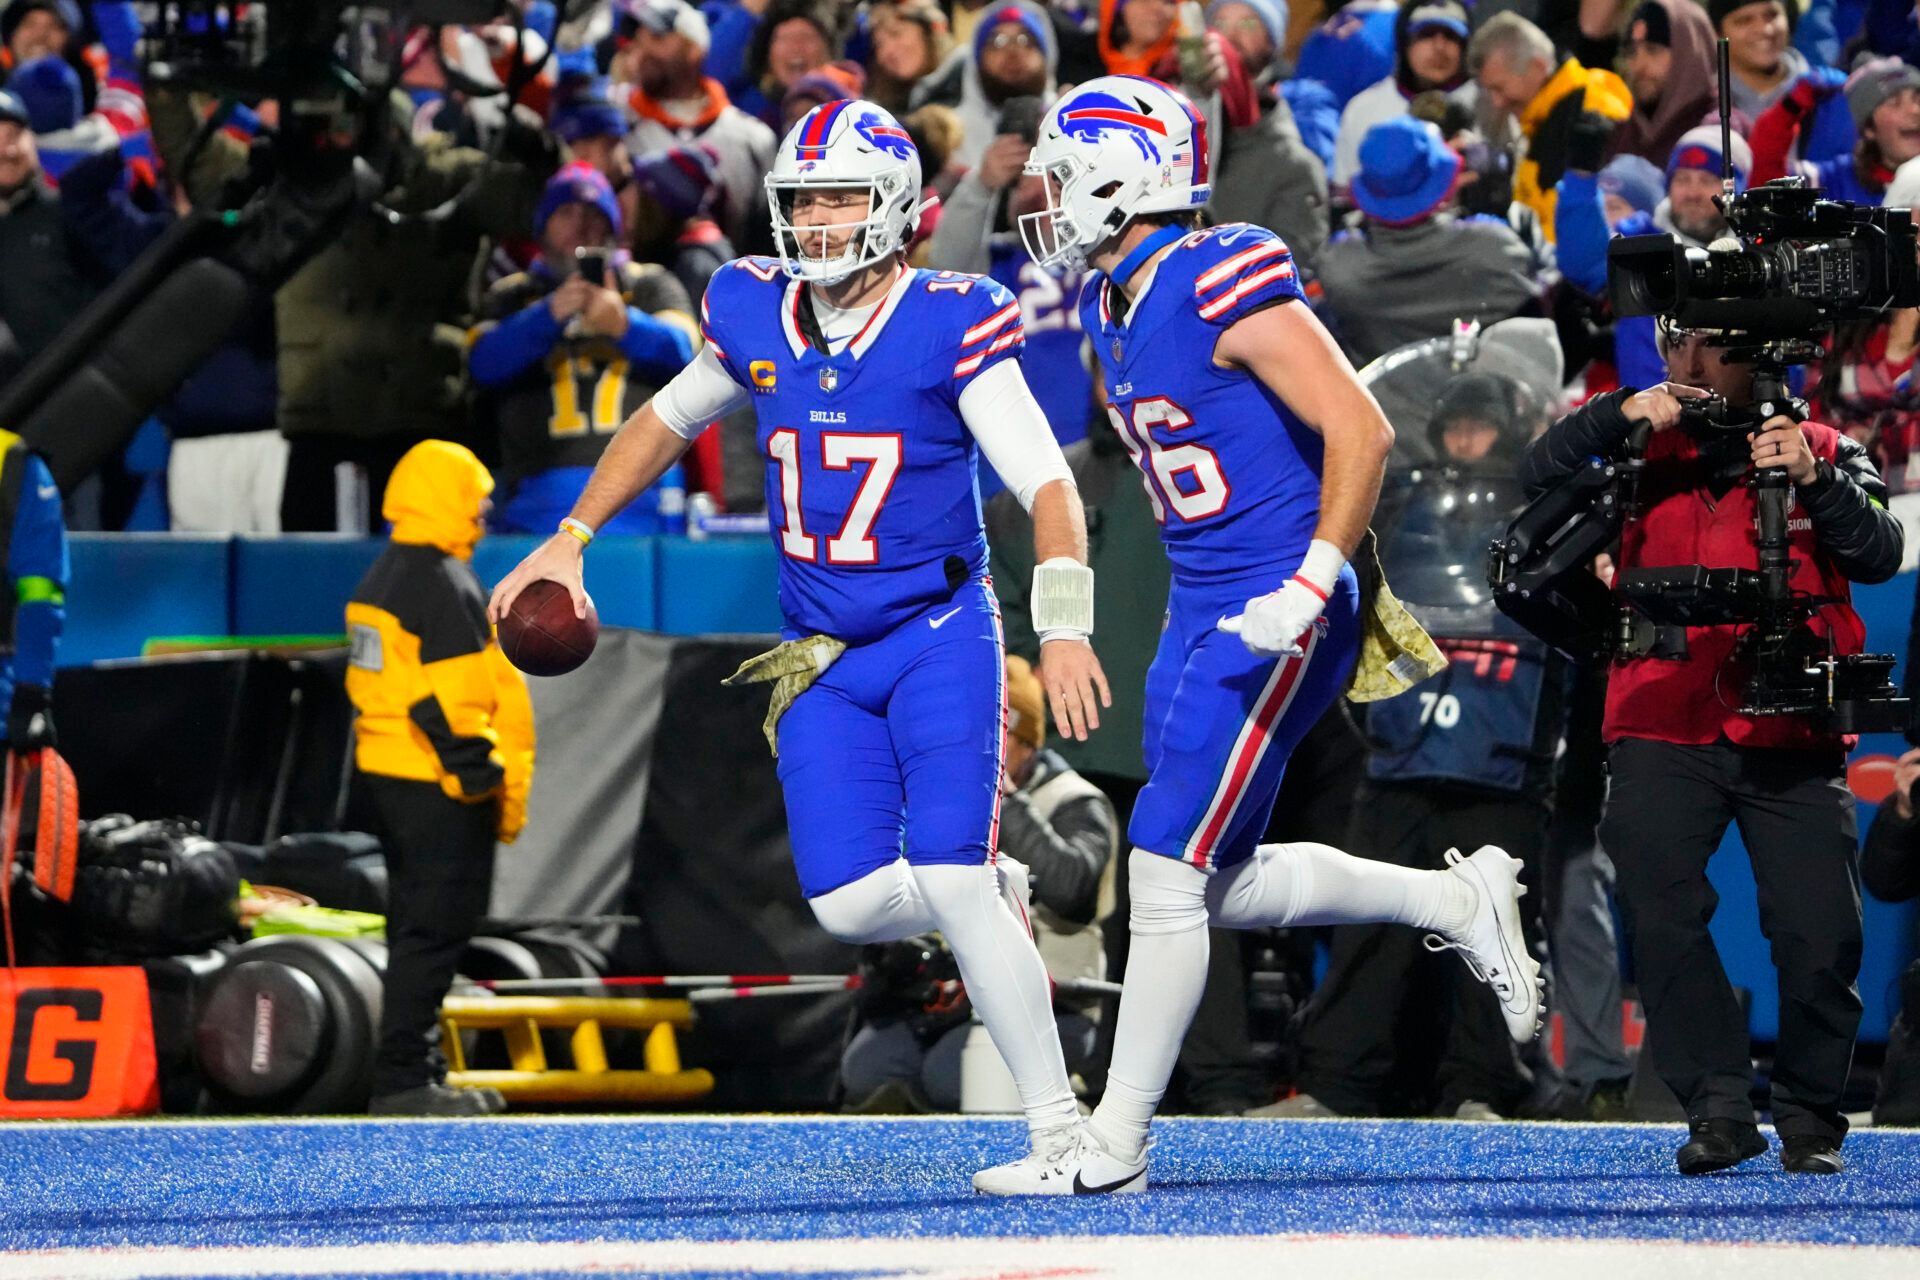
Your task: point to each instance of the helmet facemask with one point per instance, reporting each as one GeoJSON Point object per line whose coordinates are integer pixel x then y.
{"type": "Point", "coordinates": [1051, 234]}
{"type": "Point", "coordinates": [871, 239]}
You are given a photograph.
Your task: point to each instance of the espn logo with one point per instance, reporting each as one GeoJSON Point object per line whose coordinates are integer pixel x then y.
{"type": "Point", "coordinates": [762, 374]}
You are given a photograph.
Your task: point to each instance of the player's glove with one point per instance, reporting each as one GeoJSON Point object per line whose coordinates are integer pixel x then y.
{"type": "Point", "coordinates": [1273, 625]}
{"type": "Point", "coordinates": [30, 718]}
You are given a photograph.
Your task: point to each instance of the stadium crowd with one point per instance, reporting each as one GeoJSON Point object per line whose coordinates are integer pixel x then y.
{"type": "Point", "coordinates": [1428, 162]}
{"type": "Point", "coordinates": [1425, 162]}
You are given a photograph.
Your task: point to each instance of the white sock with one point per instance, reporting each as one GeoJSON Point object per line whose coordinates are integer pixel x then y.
{"type": "Point", "coordinates": [1166, 970]}
{"type": "Point", "coordinates": [881, 906]}
{"type": "Point", "coordinates": [1006, 983]}
{"type": "Point", "coordinates": [1313, 884]}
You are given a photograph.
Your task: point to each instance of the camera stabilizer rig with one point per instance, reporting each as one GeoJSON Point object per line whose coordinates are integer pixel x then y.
{"type": "Point", "coordinates": [1796, 266]}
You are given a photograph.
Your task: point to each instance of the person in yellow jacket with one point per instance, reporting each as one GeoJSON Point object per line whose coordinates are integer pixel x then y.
{"type": "Point", "coordinates": [444, 744]}
{"type": "Point", "coordinates": [1567, 113]}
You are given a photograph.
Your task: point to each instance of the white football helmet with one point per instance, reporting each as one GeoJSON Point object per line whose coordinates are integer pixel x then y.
{"type": "Point", "coordinates": [845, 144]}
{"type": "Point", "coordinates": [1114, 148]}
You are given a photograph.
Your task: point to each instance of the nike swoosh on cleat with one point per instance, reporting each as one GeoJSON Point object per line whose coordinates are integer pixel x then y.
{"type": "Point", "coordinates": [937, 623]}
{"type": "Point", "coordinates": [1080, 1188]}
{"type": "Point", "coordinates": [1513, 1000]}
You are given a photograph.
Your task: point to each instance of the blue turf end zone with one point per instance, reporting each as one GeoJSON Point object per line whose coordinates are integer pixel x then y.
{"type": "Point", "coordinates": [354, 1183]}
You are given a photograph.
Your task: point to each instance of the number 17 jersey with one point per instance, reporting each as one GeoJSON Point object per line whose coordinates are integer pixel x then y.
{"type": "Point", "coordinates": [870, 471]}
{"type": "Point", "coordinates": [1232, 473]}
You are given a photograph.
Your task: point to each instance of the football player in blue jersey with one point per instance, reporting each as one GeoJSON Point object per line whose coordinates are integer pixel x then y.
{"type": "Point", "coordinates": [1262, 456]}
{"type": "Point", "coordinates": [876, 387]}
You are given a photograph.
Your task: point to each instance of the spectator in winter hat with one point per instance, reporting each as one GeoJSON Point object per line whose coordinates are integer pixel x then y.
{"type": "Point", "coordinates": [677, 195]}
{"type": "Point", "coordinates": [1765, 64]}
{"type": "Point", "coordinates": [584, 109]}
{"type": "Point", "coordinates": [1413, 269]}
{"type": "Point", "coordinates": [1629, 185]}
{"type": "Point", "coordinates": [1669, 64]}
{"type": "Point", "coordinates": [1014, 54]}
{"type": "Point", "coordinates": [1883, 97]}
{"type": "Point", "coordinates": [1477, 420]}
{"type": "Point", "coordinates": [584, 115]}
{"type": "Point", "coordinates": [1693, 180]}
{"type": "Point", "coordinates": [676, 104]}
{"type": "Point", "coordinates": [50, 90]}
{"type": "Point", "coordinates": [44, 272]}
{"type": "Point", "coordinates": [1257, 29]}
{"type": "Point", "coordinates": [32, 29]}
{"type": "Point", "coordinates": [550, 342]}
{"type": "Point", "coordinates": [1431, 39]}
{"type": "Point", "coordinates": [796, 38]}
{"type": "Point", "coordinates": [832, 83]}
{"type": "Point", "coordinates": [1586, 222]}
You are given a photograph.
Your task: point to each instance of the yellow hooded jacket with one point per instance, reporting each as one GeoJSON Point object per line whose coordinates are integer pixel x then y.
{"type": "Point", "coordinates": [437, 700]}
{"type": "Point", "coordinates": [1548, 123]}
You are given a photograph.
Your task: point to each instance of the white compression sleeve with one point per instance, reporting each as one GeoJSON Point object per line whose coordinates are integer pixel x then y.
{"type": "Point", "coordinates": [1166, 971]}
{"type": "Point", "coordinates": [1012, 431]}
{"type": "Point", "coordinates": [1006, 983]}
{"type": "Point", "coordinates": [1315, 884]}
{"type": "Point", "coordinates": [698, 394]}
{"type": "Point", "coordinates": [881, 906]}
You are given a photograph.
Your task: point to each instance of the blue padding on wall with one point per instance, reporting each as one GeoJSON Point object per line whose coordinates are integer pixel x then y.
{"type": "Point", "coordinates": [127, 587]}
{"type": "Point", "coordinates": [619, 574]}
{"type": "Point", "coordinates": [297, 584]}
{"type": "Point", "coordinates": [724, 585]}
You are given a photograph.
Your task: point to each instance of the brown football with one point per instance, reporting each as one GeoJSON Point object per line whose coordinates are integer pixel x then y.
{"type": "Point", "coordinates": [540, 634]}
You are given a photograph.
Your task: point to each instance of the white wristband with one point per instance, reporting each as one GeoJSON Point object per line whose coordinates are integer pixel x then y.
{"type": "Point", "coordinates": [1062, 599]}
{"type": "Point", "coordinates": [1322, 566]}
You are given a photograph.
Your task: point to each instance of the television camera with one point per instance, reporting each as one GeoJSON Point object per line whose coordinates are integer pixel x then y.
{"type": "Point", "coordinates": [1791, 268]}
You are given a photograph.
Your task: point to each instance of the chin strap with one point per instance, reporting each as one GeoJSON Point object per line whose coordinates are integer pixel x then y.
{"type": "Point", "coordinates": [1131, 264]}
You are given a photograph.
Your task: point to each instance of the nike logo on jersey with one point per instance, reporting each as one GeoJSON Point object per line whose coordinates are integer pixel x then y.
{"type": "Point", "coordinates": [937, 623]}
{"type": "Point", "coordinates": [48, 492]}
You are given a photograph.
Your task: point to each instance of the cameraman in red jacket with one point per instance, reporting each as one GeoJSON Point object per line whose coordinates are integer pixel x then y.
{"type": "Point", "coordinates": [1684, 762]}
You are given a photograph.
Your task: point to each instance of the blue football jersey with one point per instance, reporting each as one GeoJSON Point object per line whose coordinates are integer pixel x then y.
{"type": "Point", "coordinates": [1050, 311]}
{"type": "Point", "coordinates": [870, 478]}
{"type": "Point", "coordinates": [1232, 474]}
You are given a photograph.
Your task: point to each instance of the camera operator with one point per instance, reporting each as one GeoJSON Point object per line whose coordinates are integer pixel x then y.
{"type": "Point", "coordinates": [1685, 762]}
{"type": "Point", "coordinates": [1890, 868]}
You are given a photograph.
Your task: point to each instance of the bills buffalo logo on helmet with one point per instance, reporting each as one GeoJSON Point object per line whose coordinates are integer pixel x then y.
{"type": "Point", "coordinates": [890, 138]}
{"type": "Point", "coordinates": [1098, 116]}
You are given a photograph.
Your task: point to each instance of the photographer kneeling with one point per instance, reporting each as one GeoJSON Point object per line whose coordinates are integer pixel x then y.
{"type": "Point", "coordinates": [1685, 762]}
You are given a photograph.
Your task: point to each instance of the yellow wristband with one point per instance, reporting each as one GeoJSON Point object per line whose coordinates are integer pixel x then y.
{"type": "Point", "coordinates": [578, 529]}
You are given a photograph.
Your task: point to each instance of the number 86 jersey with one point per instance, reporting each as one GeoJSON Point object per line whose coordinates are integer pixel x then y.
{"type": "Point", "coordinates": [1232, 473]}
{"type": "Point", "coordinates": [870, 471]}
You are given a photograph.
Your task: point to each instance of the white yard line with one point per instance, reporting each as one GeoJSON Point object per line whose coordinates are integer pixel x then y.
{"type": "Point", "coordinates": [975, 1258]}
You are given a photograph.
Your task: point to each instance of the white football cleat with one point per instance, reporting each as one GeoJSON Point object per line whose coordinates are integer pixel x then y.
{"type": "Point", "coordinates": [1048, 1170]}
{"type": "Point", "coordinates": [1493, 944]}
{"type": "Point", "coordinates": [1101, 1173]}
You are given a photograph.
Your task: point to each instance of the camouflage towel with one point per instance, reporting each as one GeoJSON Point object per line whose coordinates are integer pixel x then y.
{"type": "Point", "coordinates": [791, 667]}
